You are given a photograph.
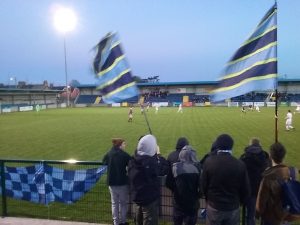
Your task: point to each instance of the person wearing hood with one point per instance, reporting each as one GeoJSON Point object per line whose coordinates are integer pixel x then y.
{"type": "Point", "coordinates": [143, 171]}
{"type": "Point", "coordinates": [225, 184]}
{"type": "Point", "coordinates": [184, 182]}
{"type": "Point", "coordinates": [174, 155]}
{"type": "Point", "coordinates": [117, 161]}
{"type": "Point", "coordinates": [256, 161]}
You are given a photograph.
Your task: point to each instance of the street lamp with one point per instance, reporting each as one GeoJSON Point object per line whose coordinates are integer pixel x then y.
{"type": "Point", "coordinates": [14, 79]}
{"type": "Point", "coordinates": [65, 21]}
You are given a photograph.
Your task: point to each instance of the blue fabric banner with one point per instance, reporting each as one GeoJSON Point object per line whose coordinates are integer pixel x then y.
{"type": "Point", "coordinates": [44, 184]}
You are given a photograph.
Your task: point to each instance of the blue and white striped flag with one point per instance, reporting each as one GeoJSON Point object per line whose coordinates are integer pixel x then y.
{"type": "Point", "coordinates": [115, 81]}
{"type": "Point", "coordinates": [254, 65]}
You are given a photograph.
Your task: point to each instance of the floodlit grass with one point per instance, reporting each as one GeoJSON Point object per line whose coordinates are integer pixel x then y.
{"type": "Point", "coordinates": [85, 133]}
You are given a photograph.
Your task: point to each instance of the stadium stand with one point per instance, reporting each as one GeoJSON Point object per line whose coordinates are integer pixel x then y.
{"type": "Point", "coordinates": [86, 99]}
{"type": "Point", "coordinates": [172, 93]}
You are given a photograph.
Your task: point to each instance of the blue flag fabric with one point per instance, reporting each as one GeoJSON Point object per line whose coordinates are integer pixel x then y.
{"type": "Point", "coordinates": [115, 81]}
{"type": "Point", "coordinates": [254, 65]}
{"type": "Point", "coordinates": [44, 184]}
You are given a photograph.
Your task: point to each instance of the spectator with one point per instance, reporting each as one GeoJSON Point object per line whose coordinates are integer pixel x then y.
{"type": "Point", "coordinates": [143, 173]}
{"type": "Point", "coordinates": [269, 202]}
{"type": "Point", "coordinates": [184, 182]}
{"type": "Point", "coordinates": [256, 160]}
{"type": "Point", "coordinates": [173, 156]}
{"type": "Point", "coordinates": [213, 151]}
{"type": "Point", "coordinates": [117, 160]}
{"type": "Point", "coordinates": [225, 184]}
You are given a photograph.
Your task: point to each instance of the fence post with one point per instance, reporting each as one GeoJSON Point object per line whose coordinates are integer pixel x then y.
{"type": "Point", "coordinates": [4, 206]}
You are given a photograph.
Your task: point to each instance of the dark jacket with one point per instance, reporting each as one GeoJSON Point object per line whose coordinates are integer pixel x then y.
{"type": "Point", "coordinates": [225, 182]}
{"type": "Point", "coordinates": [173, 156]}
{"type": "Point", "coordinates": [143, 178]}
{"type": "Point", "coordinates": [213, 151]}
{"type": "Point", "coordinates": [163, 165]}
{"type": "Point", "coordinates": [256, 161]}
{"type": "Point", "coordinates": [184, 182]}
{"type": "Point", "coordinates": [116, 160]}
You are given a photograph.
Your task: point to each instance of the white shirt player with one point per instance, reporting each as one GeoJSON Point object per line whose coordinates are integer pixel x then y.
{"type": "Point", "coordinates": [156, 109]}
{"type": "Point", "coordinates": [257, 108]}
{"type": "Point", "coordinates": [288, 122]}
{"type": "Point", "coordinates": [180, 108]}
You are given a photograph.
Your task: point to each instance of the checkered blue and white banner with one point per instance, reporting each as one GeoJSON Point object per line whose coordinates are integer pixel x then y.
{"type": "Point", "coordinates": [44, 184]}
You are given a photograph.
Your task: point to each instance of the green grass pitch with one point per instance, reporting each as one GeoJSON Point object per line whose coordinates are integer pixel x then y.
{"type": "Point", "coordinates": [85, 133]}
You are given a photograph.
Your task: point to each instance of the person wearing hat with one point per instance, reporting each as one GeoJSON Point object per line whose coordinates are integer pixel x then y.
{"type": "Point", "coordinates": [184, 182]}
{"type": "Point", "coordinates": [143, 171]}
{"type": "Point", "coordinates": [225, 184]}
{"type": "Point", "coordinates": [117, 161]}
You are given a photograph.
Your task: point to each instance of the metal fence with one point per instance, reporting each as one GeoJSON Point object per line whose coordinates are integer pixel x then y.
{"type": "Point", "coordinates": [94, 206]}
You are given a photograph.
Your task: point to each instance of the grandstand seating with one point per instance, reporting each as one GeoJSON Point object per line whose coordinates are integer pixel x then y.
{"type": "Point", "coordinates": [171, 98]}
{"type": "Point", "coordinates": [86, 99]}
{"type": "Point", "coordinates": [91, 99]}
{"type": "Point", "coordinates": [134, 99]}
{"type": "Point", "coordinates": [258, 97]}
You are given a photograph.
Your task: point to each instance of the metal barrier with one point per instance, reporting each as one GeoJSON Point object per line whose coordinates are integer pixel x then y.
{"type": "Point", "coordinates": [94, 206]}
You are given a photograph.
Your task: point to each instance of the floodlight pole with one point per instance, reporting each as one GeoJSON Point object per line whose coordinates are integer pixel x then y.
{"type": "Point", "coordinates": [66, 71]}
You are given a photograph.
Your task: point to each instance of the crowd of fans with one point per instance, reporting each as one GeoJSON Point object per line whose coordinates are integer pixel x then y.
{"type": "Point", "coordinates": [157, 93]}
{"type": "Point", "coordinates": [224, 181]}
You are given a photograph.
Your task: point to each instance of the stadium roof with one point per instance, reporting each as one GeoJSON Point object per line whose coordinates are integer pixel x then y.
{"type": "Point", "coordinates": [19, 90]}
{"type": "Point", "coordinates": [288, 80]}
{"type": "Point", "coordinates": [161, 84]}
{"type": "Point", "coordinates": [178, 83]}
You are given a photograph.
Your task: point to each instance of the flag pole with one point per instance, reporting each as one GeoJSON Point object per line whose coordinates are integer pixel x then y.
{"type": "Point", "coordinates": [146, 118]}
{"type": "Point", "coordinates": [276, 91]}
{"type": "Point", "coordinates": [276, 115]}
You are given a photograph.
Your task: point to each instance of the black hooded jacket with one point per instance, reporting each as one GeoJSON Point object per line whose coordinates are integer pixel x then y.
{"type": "Point", "coordinates": [116, 160]}
{"type": "Point", "coordinates": [143, 174]}
{"type": "Point", "coordinates": [225, 182]}
{"type": "Point", "coordinates": [256, 160]}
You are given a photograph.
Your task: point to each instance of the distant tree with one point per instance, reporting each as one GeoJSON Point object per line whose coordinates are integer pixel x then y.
{"type": "Point", "coordinates": [74, 83]}
{"type": "Point", "coordinates": [137, 79]}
